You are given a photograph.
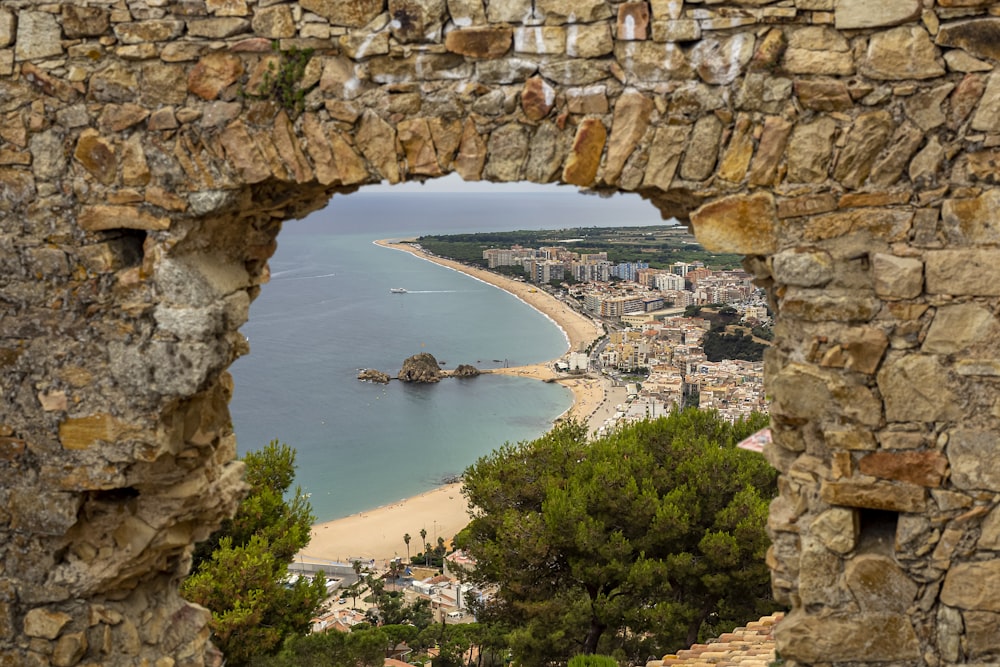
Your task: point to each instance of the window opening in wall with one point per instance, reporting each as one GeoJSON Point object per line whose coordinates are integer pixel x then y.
{"type": "Point", "coordinates": [877, 533]}
{"type": "Point", "coordinates": [332, 308]}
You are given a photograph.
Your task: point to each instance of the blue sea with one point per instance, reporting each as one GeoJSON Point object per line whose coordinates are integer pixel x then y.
{"type": "Point", "coordinates": [327, 312]}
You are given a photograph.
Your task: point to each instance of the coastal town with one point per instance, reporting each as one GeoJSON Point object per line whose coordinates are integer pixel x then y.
{"type": "Point", "coordinates": [656, 321]}
{"type": "Point", "coordinates": [637, 350]}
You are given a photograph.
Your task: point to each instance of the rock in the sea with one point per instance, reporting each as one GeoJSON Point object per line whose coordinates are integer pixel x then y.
{"type": "Point", "coordinates": [372, 375]}
{"type": "Point", "coordinates": [465, 371]}
{"type": "Point", "coordinates": [421, 367]}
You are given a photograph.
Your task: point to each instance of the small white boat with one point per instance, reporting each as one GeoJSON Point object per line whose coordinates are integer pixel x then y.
{"type": "Point", "coordinates": [397, 290]}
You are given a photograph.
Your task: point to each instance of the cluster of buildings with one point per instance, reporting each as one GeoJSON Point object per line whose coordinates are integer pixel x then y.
{"type": "Point", "coordinates": [679, 373]}
{"type": "Point", "coordinates": [650, 334]}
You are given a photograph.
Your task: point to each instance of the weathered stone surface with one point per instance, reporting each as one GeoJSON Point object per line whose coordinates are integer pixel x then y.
{"type": "Point", "coordinates": [990, 536]}
{"type": "Point", "coordinates": [471, 157]}
{"type": "Point", "coordinates": [925, 108]}
{"type": "Point", "coordinates": [957, 327]}
{"type": "Point", "coordinates": [537, 98]}
{"type": "Point", "coordinates": [980, 37]}
{"type": "Point", "coordinates": [860, 349]}
{"type": "Point", "coordinates": [38, 36]}
{"type": "Point", "coordinates": [920, 468]}
{"type": "Point", "coordinates": [972, 220]}
{"type": "Point", "coordinates": [878, 495]}
{"type": "Point", "coordinates": [275, 22]}
{"type": "Point", "coordinates": [69, 649]}
{"type": "Point", "coordinates": [78, 21]}
{"type": "Point", "coordinates": [719, 62]}
{"type": "Point", "coordinates": [853, 14]}
{"type": "Point", "coordinates": [480, 42]}
{"type": "Point", "coordinates": [628, 126]}
{"type": "Point", "coordinates": [589, 41]}
{"type": "Point", "coordinates": [879, 585]}
{"type": "Point", "coordinates": [823, 394]}
{"type": "Point", "coordinates": [652, 61]}
{"type": "Point", "coordinates": [744, 224]}
{"type": "Point", "coordinates": [981, 637]}
{"type": "Point", "coordinates": [904, 143]}
{"type": "Point", "coordinates": [974, 586]}
{"type": "Point", "coordinates": [897, 277]}
{"type": "Point", "coordinates": [97, 155]}
{"type": "Point", "coordinates": [352, 14]}
{"type": "Point", "coordinates": [866, 138]}
{"type": "Point", "coordinates": [823, 94]}
{"type": "Point", "coordinates": [213, 74]}
{"type": "Point", "coordinates": [962, 272]}
{"type": "Point", "coordinates": [417, 20]}
{"type": "Point", "coordinates": [810, 150]}
{"type": "Point", "coordinates": [915, 388]}
{"type": "Point", "coordinates": [415, 137]}
{"type": "Point", "coordinates": [633, 21]}
{"type": "Point", "coordinates": [703, 149]}
{"type": "Point", "coordinates": [141, 32]}
{"type": "Point", "coordinates": [889, 224]}
{"type": "Point", "coordinates": [507, 149]}
{"type": "Point", "coordinates": [967, 449]}
{"type": "Point", "coordinates": [817, 50]}
{"type": "Point", "coordinates": [987, 116]}
{"type": "Point", "coordinates": [901, 53]}
{"type": "Point", "coordinates": [585, 155]}
{"type": "Point", "coordinates": [837, 529]}
{"type": "Point", "coordinates": [540, 40]}
{"type": "Point", "coordinates": [736, 158]}
{"type": "Point", "coordinates": [770, 151]}
{"type": "Point", "coordinates": [555, 12]}
{"type": "Point", "coordinates": [815, 639]}
{"type": "Point", "coordinates": [803, 267]}
{"type": "Point", "coordinates": [43, 623]}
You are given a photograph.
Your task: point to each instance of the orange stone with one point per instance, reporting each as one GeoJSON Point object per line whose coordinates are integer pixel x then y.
{"type": "Point", "coordinates": [585, 156]}
{"type": "Point", "coordinates": [484, 42]}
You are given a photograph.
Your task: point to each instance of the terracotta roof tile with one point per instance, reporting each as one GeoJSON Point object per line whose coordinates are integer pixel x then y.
{"type": "Point", "coordinates": [749, 646]}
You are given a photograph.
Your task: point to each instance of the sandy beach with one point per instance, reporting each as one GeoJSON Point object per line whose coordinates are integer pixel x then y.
{"type": "Point", "coordinates": [378, 534]}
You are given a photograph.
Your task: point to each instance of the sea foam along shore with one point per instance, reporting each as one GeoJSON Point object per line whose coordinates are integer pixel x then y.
{"type": "Point", "coordinates": [378, 534]}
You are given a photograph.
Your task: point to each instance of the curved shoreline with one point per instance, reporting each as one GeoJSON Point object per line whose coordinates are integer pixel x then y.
{"type": "Point", "coordinates": [378, 533]}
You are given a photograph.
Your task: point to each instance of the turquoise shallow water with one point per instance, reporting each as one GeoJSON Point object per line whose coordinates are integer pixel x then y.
{"type": "Point", "coordinates": [328, 312]}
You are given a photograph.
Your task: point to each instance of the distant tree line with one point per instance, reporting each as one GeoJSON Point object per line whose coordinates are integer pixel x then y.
{"type": "Point", "coordinates": [659, 245]}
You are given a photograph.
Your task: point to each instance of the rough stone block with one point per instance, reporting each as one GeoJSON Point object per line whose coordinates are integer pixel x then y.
{"type": "Point", "coordinates": [915, 389]}
{"type": "Point", "coordinates": [897, 277]}
{"type": "Point", "coordinates": [971, 271]}
{"type": "Point", "coordinates": [979, 37]}
{"type": "Point", "coordinates": [480, 42]}
{"type": "Point", "coordinates": [823, 639]}
{"type": "Point", "coordinates": [837, 529]}
{"type": "Point", "coordinates": [806, 392]}
{"type": "Point", "coordinates": [352, 14]}
{"type": "Point", "coordinates": [44, 623]}
{"type": "Point", "coordinates": [973, 586]}
{"type": "Point", "coordinates": [854, 14]}
{"type": "Point", "coordinates": [920, 468]}
{"type": "Point", "coordinates": [958, 327]}
{"type": "Point", "coordinates": [38, 36]}
{"type": "Point", "coordinates": [879, 585]}
{"type": "Point", "coordinates": [585, 155]}
{"type": "Point", "coordinates": [629, 124]}
{"type": "Point", "coordinates": [902, 53]}
{"type": "Point", "coordinates": [967, 450]}
{"type": "Point", "coordinates": [877, 495]}
{"type": "Point", "coordinates": [981, 637]}
{"type": "Point", "coordinates": [739, 223]}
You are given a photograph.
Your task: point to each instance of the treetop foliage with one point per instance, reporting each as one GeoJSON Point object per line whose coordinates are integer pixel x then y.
{"type": "Point", "coordinates": [657, 528]}
{"type": "Point", "coordinates": [241, 571]}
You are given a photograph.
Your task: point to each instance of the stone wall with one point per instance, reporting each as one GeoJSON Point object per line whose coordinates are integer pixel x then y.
{"type": "Point", "coordinates": [150, 151]}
